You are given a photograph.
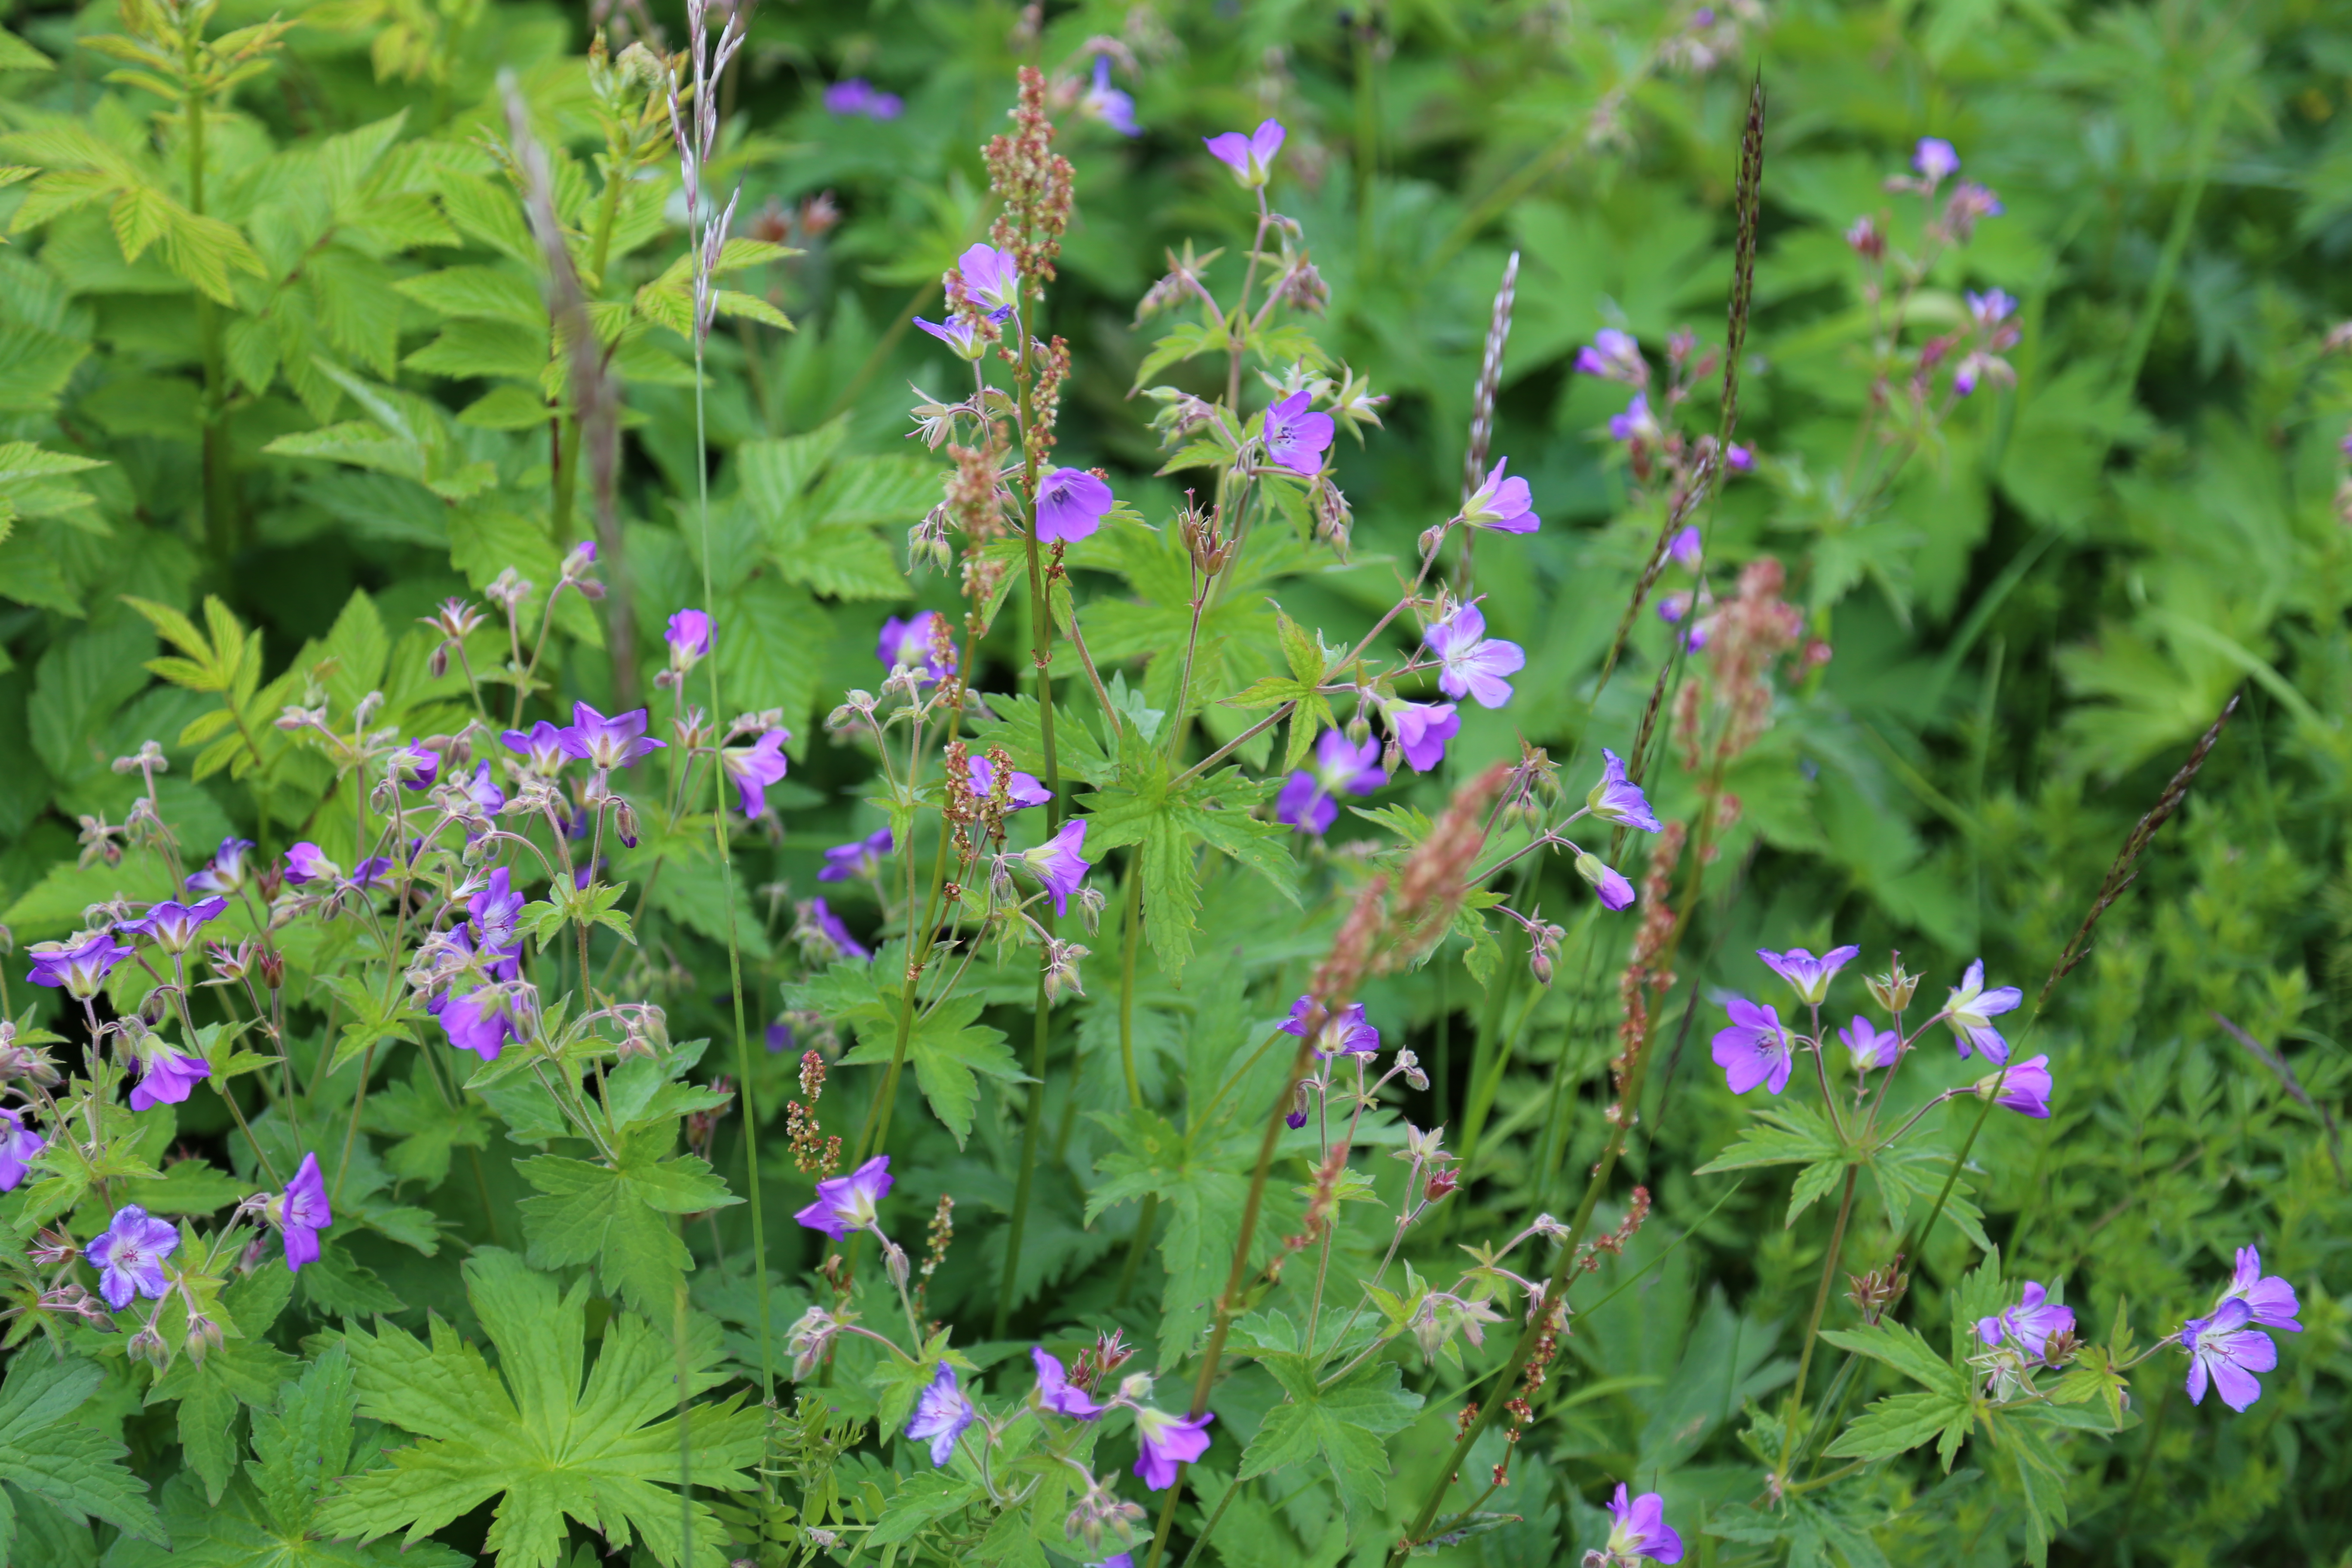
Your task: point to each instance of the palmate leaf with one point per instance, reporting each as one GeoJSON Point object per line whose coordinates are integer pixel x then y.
{"type": "Point", "coordinates": [532, 1434]}
{"type": "Point", "coordinates": [43, 1451]}
{"type": "Point", "coordinates": [246, 1368]}
{"type": "Point", "coordinates": [1345, 1426]}
{"type": "Point", "coordinates": [617, 1217]}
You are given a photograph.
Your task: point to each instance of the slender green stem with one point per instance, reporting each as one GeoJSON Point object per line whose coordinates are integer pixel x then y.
{"type": "Point", "coordinates": [1813, 1324]}
{"type": "Point", "coordinates": [1130, 928]}
{"type": "Point", "coordinates": [1032, 1132]}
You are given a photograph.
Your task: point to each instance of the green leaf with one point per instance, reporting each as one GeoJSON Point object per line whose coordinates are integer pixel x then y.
{"type": "Point", "coordinates": [1790, 1135]}
{"type": "Point", "coordinates": [1901, 1349]}
{"type": "Point", "coordinates": [1343, 1426]}
{"type": "Point", "coordinates": [948, 1051]}
{"type": "Point", "coordinates": [246, 1368]}
{"type": "Point", "coordinates": [531, 1434]}
{"type": "Point", "coordinates": [1899, 1422]}
{"type": "Point", "coordinates": [925, 1498]}
{"type": "Point", "coordinates": [75, 1468]}
{"type": "Point", "coordinates": [617, 1217]}
{"type": "Point", "coordinates": [305, 1443]}
{"type": "Point", "coordinates": [428, 1128]}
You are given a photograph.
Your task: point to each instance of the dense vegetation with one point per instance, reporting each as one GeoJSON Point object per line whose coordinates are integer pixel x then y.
{"type": "Point", "coordinates": [952, 784]}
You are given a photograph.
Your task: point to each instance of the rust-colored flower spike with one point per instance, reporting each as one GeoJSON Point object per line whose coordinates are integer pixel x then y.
{"type": "Point", "coordinates": [1437, 878]}
{"type": "Point", "coordinates": [1350, 959]}
{"type": "Point", "coordinates": [1035, 185]}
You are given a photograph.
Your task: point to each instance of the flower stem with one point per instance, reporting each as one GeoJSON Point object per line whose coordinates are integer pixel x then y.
{"type": "Point", "coordinates": [1813, 1324]}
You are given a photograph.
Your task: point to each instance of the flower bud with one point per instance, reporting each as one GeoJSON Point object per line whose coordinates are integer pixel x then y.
{"type": "Point", "coordinates": [1894, 989]}
{"type": "Point", "coordinates": [1136, 1386]}
{"type": "Point", "coordinates": [147, 1345]}
{"type": "Point", "coordinates": [1441, 1182]}
{"type": "Point", "coordinates": [893, 1257]}
{"type": "Point", "coordinates": [204, 1336]}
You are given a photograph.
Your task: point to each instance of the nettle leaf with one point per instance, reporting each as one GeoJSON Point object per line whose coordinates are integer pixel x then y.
{"type": "Point", "coordinates": [74, 1468]}
{"type": "Point", "coordinates": [617, 1217]}
{"type": "Point", "coordinates": [1344, 1426]}
{"type": "Point", "coordinates": [532, 1436]}
{"type": "Point", "coordinates": [1171, 824]}
{"type": "Point", "coordinates": [246, 1369]}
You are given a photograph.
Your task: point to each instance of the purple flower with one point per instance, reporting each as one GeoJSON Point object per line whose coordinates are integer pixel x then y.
{"type": "Point", "coordinates": [990, 276]}
{"type": "Point", "coordinates": [302, 1213]}
{"type": "Point", "coordinates": [1612, 355]}
{"type": "Point", "coordinates": [1755, 1050]}
{"type": "Point", "coordinates": [1344, 1033]}
{"type": "Point", "coordinates": [1501, 505]}
{"type": "Point", "coordinates": [849, 1202]}
{"type": "Point", "coordinates": [370, 871]}
{"type": "Point", "coordinates": [959, 333]}
{"type": "Point", "coordinates": [417, 765]}
{"type": "Point", "coordinates": [541, 749]}
{"type": "Point", "coordinates": [18, 1144]}
{"type": "Point", "coordinates": [907, 644]}
{"type": "Point", "coordinates": [1991, 308]}
{"type": "Point", "coordinates": [615, 742]}
{"type": "Point", "coordinates": [225, 874]}
{"type": "Point", "coordinates": [1060, 864]}
{"type": "Point", "coordinates": [1250, 157]}
{"type": "Point", "coordinates": [941, 1413]}
{"type": "Point", "coordinates": [2022, 1086]}
{"type": "Point", "coordinates": [173, 925]}
{"type": "Point", "coordinates": [483, 789]}
{"type": "Point", "coordinates": [475, 1022]}
{"type": "Point", "coordinates": [1295, 436]}
{"type": "Point", "coordinates": [492, 911]}
{"type": "Point", "coordinates": [1636, 424]}
{"type": "Point", "coordinates": [828, 930]}
{"type": "Point", "coordinates": [1022, 789]}
{"type": "Point", "coordinates": [856, 96]}
{"type": "Point", "coordinates": [129, 1255]}
{"type": "Point", "coordinates": [2267, 1295]}
{"type": "Point", "coordinates": [1308, 802]}
{"type": "Point", "coordinates": [1071, 504]}
{"type": "Point", "coordinates": [2030, 1323]}
{"type": "Point", "coordinates": [1106, 103]}
{"type": "Point", "coordinates": [1469, 663]}
{"type": "Point", "coordinates": [1672, 607]}
{"type": "Point", "coordinates": [1935, 160]}
{"type": "Point", "coordinates": [1869, 1046]}
{"type": "Point", "coordinates": [1053, 1390]}
{"type": "Point", "coordinates": [1613, 891]}
{"type": "Point", "coordinates": [1168, 1440]}
{"type": "Point", "coordinates": [307, 863]}
{"type": "Point", "coordinates": [1421, 731]}
{"type": "Point", "coordinates": [1970, 1010]}
{"type": "Point", "coordinates": [1808, 976]}
{"type": "Point", "coordinates": [1617, 798]}
{"type": "Point", "coordinates": [689, 639]}
{"type": "Point", "coordinates": [844, 862]}
{"type": "Point", "coordinates": [1739, 460]}
{"type": "Point", "coordinates": [755, 767]}
{"type": "Point", "coordinates": [1641, 1530]}
{"type": "Point", "coordinates": [2227, 1350]}
{"type": "Point", "coordinates": [1971, 201]}
{"type": "Point", "coordinates": [79, 970]}
{"type": "Point", "coordinates": [780, 1036]}
{"type": "Point", "coordinates": [167, 1078]}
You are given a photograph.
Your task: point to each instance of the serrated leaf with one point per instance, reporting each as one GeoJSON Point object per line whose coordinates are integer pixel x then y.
{"type": "Point", "coordinates": [949, 1052]}
{"type": "Point", "coordinates": [1899, 1422]}
{"type": "Point", "coordinates": [617, 1217]}
{"type": "Point", "coordinates": [1343, 1426]}
{"type": "Point", "coordinates": [74, 1468]}
{"type": "Point", "coordinates": [1901, 1347]}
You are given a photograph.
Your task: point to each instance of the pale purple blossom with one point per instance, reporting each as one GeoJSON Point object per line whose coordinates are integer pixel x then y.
{"type": "Point", "coordinates": [1755, 1050]}
{"type": "Point", "coordinates": [172, 925]}
{"type": "Point", "coordinates": [1739, 458]}
{"type": "Point", "coordinates": [849, 1203]}
{"type": "Point", "coordinates": [167, 1078]}
{"type": "Point", "coordinates": [615, 742]}
{"type": "Point", "coordinates": [1608, 883]}
{"type": "Point", "coordinates": [1021, 789]}
{"type": "Point", "coordinates": [1423, 729]}
{"type": "Point", "coordinates": [1055, 1391]}
{"type": "Point", "coordinates": [960, 333]}
{"type": "Point", "coordinates": [1619, 799]}
{"type": "Point", "coordinates": [1639, 1528]}
{"type": "Point", "coordinates": [1991, 309]}
{"type": "Point", "coordinates": [492, 910]}
{"type": "Point", "coordinates": [1970, 1010]}
{"type": "Point", "coordinates": [1808, 976]}
{"type": "Point", "coordinates": [1936, 160]}
{"type": "Point", "coordinates": [1471, 664]}
{"type": "Point", "coordinates": [2225, 1350]}
{"type": "Point", "coordinates": [307, 863]}
{"type": "Point", "coordinates": [476, 1022]}
{"type": "Point", "coordinates": [908, 645]}
{"type": "Point", "coordinates": [1250, 157]}
{"type": "Point", "coordinates": [482, 789]}
{"type": "Point", "coordinates": [1071, 504]}
{"type": "Point", "coordinates": [862, 858]}
{"type": "Point", "coordinates": [854, 95]}
{"type": "Point", "coordinates": [1060, 863]}
{"type": "Point", "coordinates": [18, 1144]}
{"type": "Point", "coordinates": [417, 765]}
{"type": "Point", "coordinates": [1344, 1033]}
{"type": "Point", "coordinates": [1169, 1441]}
{"type": "Point", "coordinates": [2270, 1298]}
{"type": "Point", "coordinates": [1106, 103]}
{"type": "Point", "coordinates": [942, 1411]}
{"type": "Point", "coordinates": [542, 748]}
{"type": "Point", "coordinates": [225, 873]}
{"type": "Point", "coordinates": [301, 1213]}
{"type": "Point", "coordinates": [822, 930]}
{"type": "Point", "coordinates": [990, 276]}
{"type": "Point", "coordinates": [2022, 1086]}
{"type": "Point", "coordinates": [1688, 549]}
{"type": "Point", "coordinates": [2029, 1324]}
{"type": "Point", "coordinates": [78, 969]}
{"type": "Point", "coordinates": [754, 768]}
{"type": "Point", "coordinates": [129, 1255]}
{"type": "Point", "coordinates": [1869, 1046]}
{"type": "Point", "coordinates": [1309, 800]}
{"type": "Point", "coordinates": [1613, 355]}
{"type": "Point", "coordinates": [688, 635]}
{"type": "Point", "coordinates": [1297, 437]}
{"type": "Point", "coordinates": [1636, 424]}
{"type": "Point", "coordinates": [1501, 505]}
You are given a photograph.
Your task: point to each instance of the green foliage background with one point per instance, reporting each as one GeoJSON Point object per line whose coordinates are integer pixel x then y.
{"type": "Point", "coordinates": [2058, 596]}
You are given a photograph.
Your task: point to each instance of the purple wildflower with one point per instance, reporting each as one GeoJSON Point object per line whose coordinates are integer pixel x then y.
{"type": "Point", "coordinates": [1869, 1046]}
{"type": "Point", "coordinates": [2270, 1298]}
{"type": "Point", "coordinates": [172, 925]}
{"type": "Point", "coordinates": [167, 1078]}
{"type": "Point", "coordinates": [1308, 802]}
{"type": "Point", "coordinates": [1612, 355]}
{"type": "Point", "coordinates": [129, 1255]}
{"type": "Point", "coordinates": [1936, 160]}
{"type": "Point", "coordinates": [542, 748]}
{"type": "Point", "coordinates": [1022, 789]}
{"type": "Point", "coordinates": [2022, 1086]}
{"type": "Point", "coordinates": [854, 95]}
{"type": "Point", "coordinates": [828, 931]}
{"type": "Point", "coordinates": [1345, 1032]}
{"type": "Point", "coordinates": [1060, 864]}
{"type": "Point", "coordinates": [1168, 1440]}
{"type": "Point", "coordinates": [1053, 1390]}
{"type": "Point", "coordinates": [862, 858]}
{"type": "Point", "coordinates": [1808, 976]}
{"type": "Point", "coordinates": [907, 644]}
{"type": "Point", "coordinates": [1501, 505]}
{"type": "Point", "coordinates": [79, 970]}
{"type": "Point", "coordinates": [1422, 730]}
{"type": "Point", "coordinates": [615, 742]}
{"type": "Point", "coordinates": [1297, 437]}
{"type": "Point", "coordinates": [849, 1202]}
{"type": "Point", "coordinates": [1608, 883]}
{"type": "Point", "coordinates": [483, 789]}
{"type": "Point", "coordinates": [18, 1144]}
{"type": "Point", "coordinates": [1688, 549]}
{"type": "Point", "coordinates": [2029, 1324]}
{"type": "Point", "coordinates": [941, 1413]}
{"type": "Point", "coordinates": [2226, 1350]}
{"type": "Point", "coordinates": [1108, 104]}
{"type": "Point", "coordinates": [1470, 663]}
{"type": "Point", "coordinates": [1970, 1010]}
{"type": "Point", "coordinates": [1739, 458]}
{"type": "Point", "coordinates": [417, 765]}
{"type": "Point", "coordinates": [370, 871]}
{"type": "Point", "coordinates": [1641, 1530]}
{"type": "Point", "coordinates": [1071, 504]}
{"type": "Point", "coordinates": [475, 1022]}
{"type": "Point", "coordinates": [1636, 424]}
{"type": "Point", "coordinates": [492, 912]}
{"type": "Point", "coordinates": [1991, 308]}
{"type": "Point", "coordinates": [225, 874]}
{"type": "Point", "coordinates": [307, 863]}
{"type": "Point", "coordinates": [755, 767]}
{"type": "Point", "coordinates": [959, 333]}
{"type": "Point", "coordinates": [990, 276]}
{"type": "Point", "coordinates": [1756, 1048]}
{"type": "Point", "coordinates": [1619, 799]}
{"type": "Point", "coordinates": [689, 639]}
{"type": "Point", "coordinates": [780, 1036]}
{"type": "Point", "coordinates": [1250, 157]}
{"type": "Point", "coordinates": [301, 1212]}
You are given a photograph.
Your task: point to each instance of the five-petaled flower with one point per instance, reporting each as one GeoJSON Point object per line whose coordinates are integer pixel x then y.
{"type": "Point", "coordinates": [1808, 976]}
{"type": "Point", "coordinates": [1970, 1010]}
{"type": "Point", "coordinates": [417, 765]}
{"type": "Point", "coordinates": [907, 644]}
{"type": "Point", "coordinates": [1472, 664]}
{"type": "Point", "coordinates": [1612, 355]}
{"type": "Point", "coordinates": [844, 1203]}
{"type": "Point", "coordinates": [1619, 799]}
{"type": "Point", "coordinates": [1755, 1050]}
{"type": "Point", "coordinates": [1344, 1031]}
{"type": "Point", "coordinates": [689, 637]}
{"type": "Point", "coordinates": [1296, 435]}
{"type": "Point", "coordinates": [1168, 1441]}
{"type": "Point", "coordinates": [1636, 424]}
{"type": "Point", "coordinates": [80, 968]}
{"type": "Point", "coordinates": [1936, 160]}
{"type": "Point", "coordinates": [1055, 1391]}
{"type": "Point", "coordinates": [2226, 1350]}
{"type": "Point", "coordinates": [2269, 1297]}
{"type": "Point", "coordinates": [1071, 504]}
{"type": "Point", "coordinates": [173, 925]}
{"type": "Point", "coordinates": [18, 1144]}
{"type": "Point", "coordinates": [301, 1212]}
{"type": "Point", "coordinates": [990, 276]}
{"type": "Point", "coordinates": [307, 863]}
{"type": "Point", "coordinates": [615, 742]}
{"type": "Point", "coordinates": [129, 1255]}
{"type": "Point", "coordinates": [1608, 883]}
{"type": "Point", "coordinates": [941, 1413]}
{"type": "Point", "coordinates": [960, 333]}
{"type": "Point", "coordinates": [1869, 1046]}
{"type": "Point", "coordinates": [542, 748]}
{"type": "Point", "coordinates": [1060, 863]}
{"type": "Point", "coordinates": [755, 767]}
{"type": "Point", "coordinates": [167, 1078]}
{"type": "Point", "coordinates": [1106, 103]}
{"type": "Point", "coordinates": [1021, 789]}
{"type": "Point", "coordinates": [862, 858]}
{"type": "Point", "coordinates": [1250, 157]}
{"type": "Point", "coordinates": [225, 874]}
{"type": "Point", "coordinates": [1639, 1529]}
{"type": "Point", "coordinates": [2029, 1324]}
{"type": "Point", "coordinates": [1309, 800]}
{"type": "Point", "coordinates": [1503, 505]}
{"type": "Point", "coordinates": [2022, 1086]}
{"type": "Point", "coordinates": [1421, 731]}
{"type": "Point", "coordinates": [476, 1022]}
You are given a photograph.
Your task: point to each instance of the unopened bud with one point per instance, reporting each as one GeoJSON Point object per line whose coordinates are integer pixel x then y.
{"type": "Point", "coordinates": [204, 1336]}
{"type": "Point", "coordinates": [1894, 989]}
